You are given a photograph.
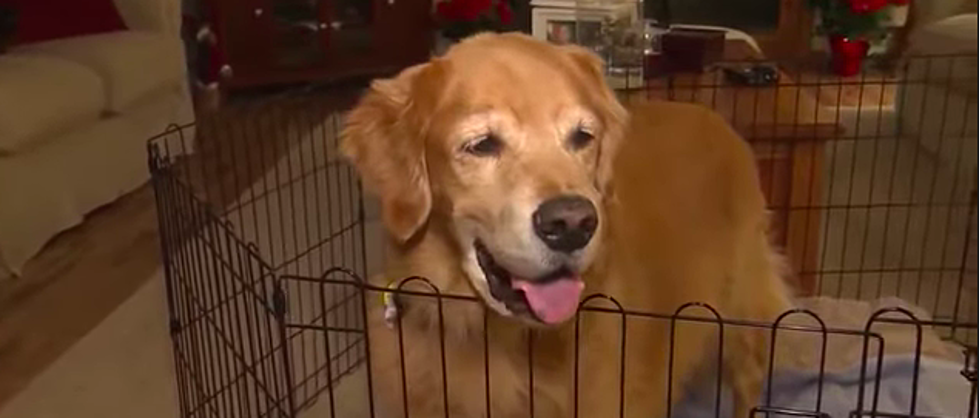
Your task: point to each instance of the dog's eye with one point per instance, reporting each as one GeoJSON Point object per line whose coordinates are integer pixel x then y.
{"type": "Point", "coordinates": [485, 146]}
{"type": "Point", "coordinates": [580, 138]}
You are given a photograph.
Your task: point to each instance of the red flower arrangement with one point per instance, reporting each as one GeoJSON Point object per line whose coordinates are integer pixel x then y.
{"type": "Point", "coordinates": [863, 19]}
{"type": "Point", "coordinates": [850, 25]}
{"type": "Point", "coordinates": [866, 6]}
{"type": "Point", "coordinates": [461, 18]}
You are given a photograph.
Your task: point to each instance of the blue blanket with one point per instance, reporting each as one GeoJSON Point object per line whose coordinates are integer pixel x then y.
{"type": "Point", "coordinates": [942, 391]}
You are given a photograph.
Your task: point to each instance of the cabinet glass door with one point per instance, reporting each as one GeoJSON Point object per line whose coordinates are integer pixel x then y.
{"type": "Point", "coordinates": [350, 27]}
{"type": "Point", "coordinates": [296, 33]}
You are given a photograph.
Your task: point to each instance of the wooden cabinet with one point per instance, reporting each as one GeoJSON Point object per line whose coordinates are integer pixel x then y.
{"type": "Point", "coordinates": [289, 41]}
{"type": "Point", "coordinates": [786, 127]}
{"type": "Point", "coordinates": [790, 169]}
{"type": "Point", "coordinates": [781, 27]}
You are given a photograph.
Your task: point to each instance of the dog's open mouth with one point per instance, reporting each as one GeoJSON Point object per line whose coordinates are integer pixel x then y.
{"type": "Point", "coordinates": [550, 299]}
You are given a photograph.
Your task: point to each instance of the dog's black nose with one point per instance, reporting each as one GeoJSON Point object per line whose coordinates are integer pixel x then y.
{"type": "Point", "coordinates": [566, 223]}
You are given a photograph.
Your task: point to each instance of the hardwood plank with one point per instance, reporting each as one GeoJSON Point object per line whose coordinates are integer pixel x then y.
{"type": "Point", "coordinates": [76, 281]}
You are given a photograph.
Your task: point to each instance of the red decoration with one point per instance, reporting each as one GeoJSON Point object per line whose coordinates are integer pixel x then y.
{"type": "Point", "coordinates": [848, 54]}
{"type": "Point", "coordinates": [870, 6]}
{"type": "Point", "coordinates": [465, 10]}
{"type": "Point", "coordinates": [43, 20]}
{"type": "Point", "coordinates": [867, 6]}
{"type": "Point", "coordinates": [458, 19]}
{"type": "Point", "coordinates": [506, 13]}
{"type": "Point", "coordinates": [447, 10]}
{"type": "Point", "coordinates": [212, 65]}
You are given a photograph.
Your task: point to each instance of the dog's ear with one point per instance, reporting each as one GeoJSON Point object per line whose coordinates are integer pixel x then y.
{"type": "Point", "coordinates": [383, 139]}
{"type": "Point", "coordinates": [613, 115]}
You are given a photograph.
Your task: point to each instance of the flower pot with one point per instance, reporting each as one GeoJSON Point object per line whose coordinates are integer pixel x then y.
{"type": "Point", "coordinates": [848, 54]}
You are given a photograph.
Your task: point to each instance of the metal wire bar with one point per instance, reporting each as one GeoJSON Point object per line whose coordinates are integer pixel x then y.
{"type": "Point", "coordinates": [265, 252]}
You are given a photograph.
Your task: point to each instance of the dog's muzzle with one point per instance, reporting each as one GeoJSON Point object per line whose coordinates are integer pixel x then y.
{"type": "Point", "coordinates": [550, 299]}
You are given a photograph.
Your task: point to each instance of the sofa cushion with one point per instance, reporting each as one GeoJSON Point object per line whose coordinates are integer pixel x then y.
{"type": "Point", "coordinates": [132, 64]}
{"type": "Point", "coordinates": [43, 20]}
{"type": "Point", "coordinates": [42, 96]}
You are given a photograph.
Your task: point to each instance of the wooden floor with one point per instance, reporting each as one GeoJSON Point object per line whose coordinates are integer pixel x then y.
{"type": "Point", "coordinates": [83, 274]}
{"type": "Point", "coordinates": [76, 281]}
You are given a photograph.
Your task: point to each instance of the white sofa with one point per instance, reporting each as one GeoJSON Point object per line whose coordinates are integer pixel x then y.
{"type": "Point", "coordinates": [74, 118]}
{"type": "Point", "coordinates": [942, 111]}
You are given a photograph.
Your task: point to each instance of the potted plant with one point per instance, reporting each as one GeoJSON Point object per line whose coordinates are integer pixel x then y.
{"type": "Point", "coordinates": [850, 26]}
{"type": "Point", "coordinates": [458, 19]}
{"type": "Point", "coordinates": [8, 26]}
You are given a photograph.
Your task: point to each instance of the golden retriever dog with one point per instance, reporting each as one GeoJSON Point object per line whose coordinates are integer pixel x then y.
{"type": "Point", "coordinates": [508, 171]}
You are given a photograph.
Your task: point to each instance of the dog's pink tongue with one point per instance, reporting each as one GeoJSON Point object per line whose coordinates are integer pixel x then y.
{"type": "Point", "coordinates": [552, 302]}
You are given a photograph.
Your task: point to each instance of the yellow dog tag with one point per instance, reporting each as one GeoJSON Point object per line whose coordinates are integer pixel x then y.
{"type": "Point", "coordinates": [390, 301]}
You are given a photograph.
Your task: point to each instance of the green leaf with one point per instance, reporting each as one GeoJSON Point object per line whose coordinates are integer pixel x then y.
{"type": "Point", "coordinates": [839, 19]}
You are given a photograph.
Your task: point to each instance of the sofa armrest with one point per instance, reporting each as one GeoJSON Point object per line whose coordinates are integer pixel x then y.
{"type": "Point", "coordinates": [161, 16]}
{"type": "Point", "coordinates": [952, 35]}
{"type": "Point", "coordinates": [938, 106]}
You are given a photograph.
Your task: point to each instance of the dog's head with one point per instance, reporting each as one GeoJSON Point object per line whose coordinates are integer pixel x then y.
{"type": "Point", "coordinates": [508, 141]}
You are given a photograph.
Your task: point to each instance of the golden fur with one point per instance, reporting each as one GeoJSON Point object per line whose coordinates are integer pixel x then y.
{"type": "Point", "coordinates": [681, 219]}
